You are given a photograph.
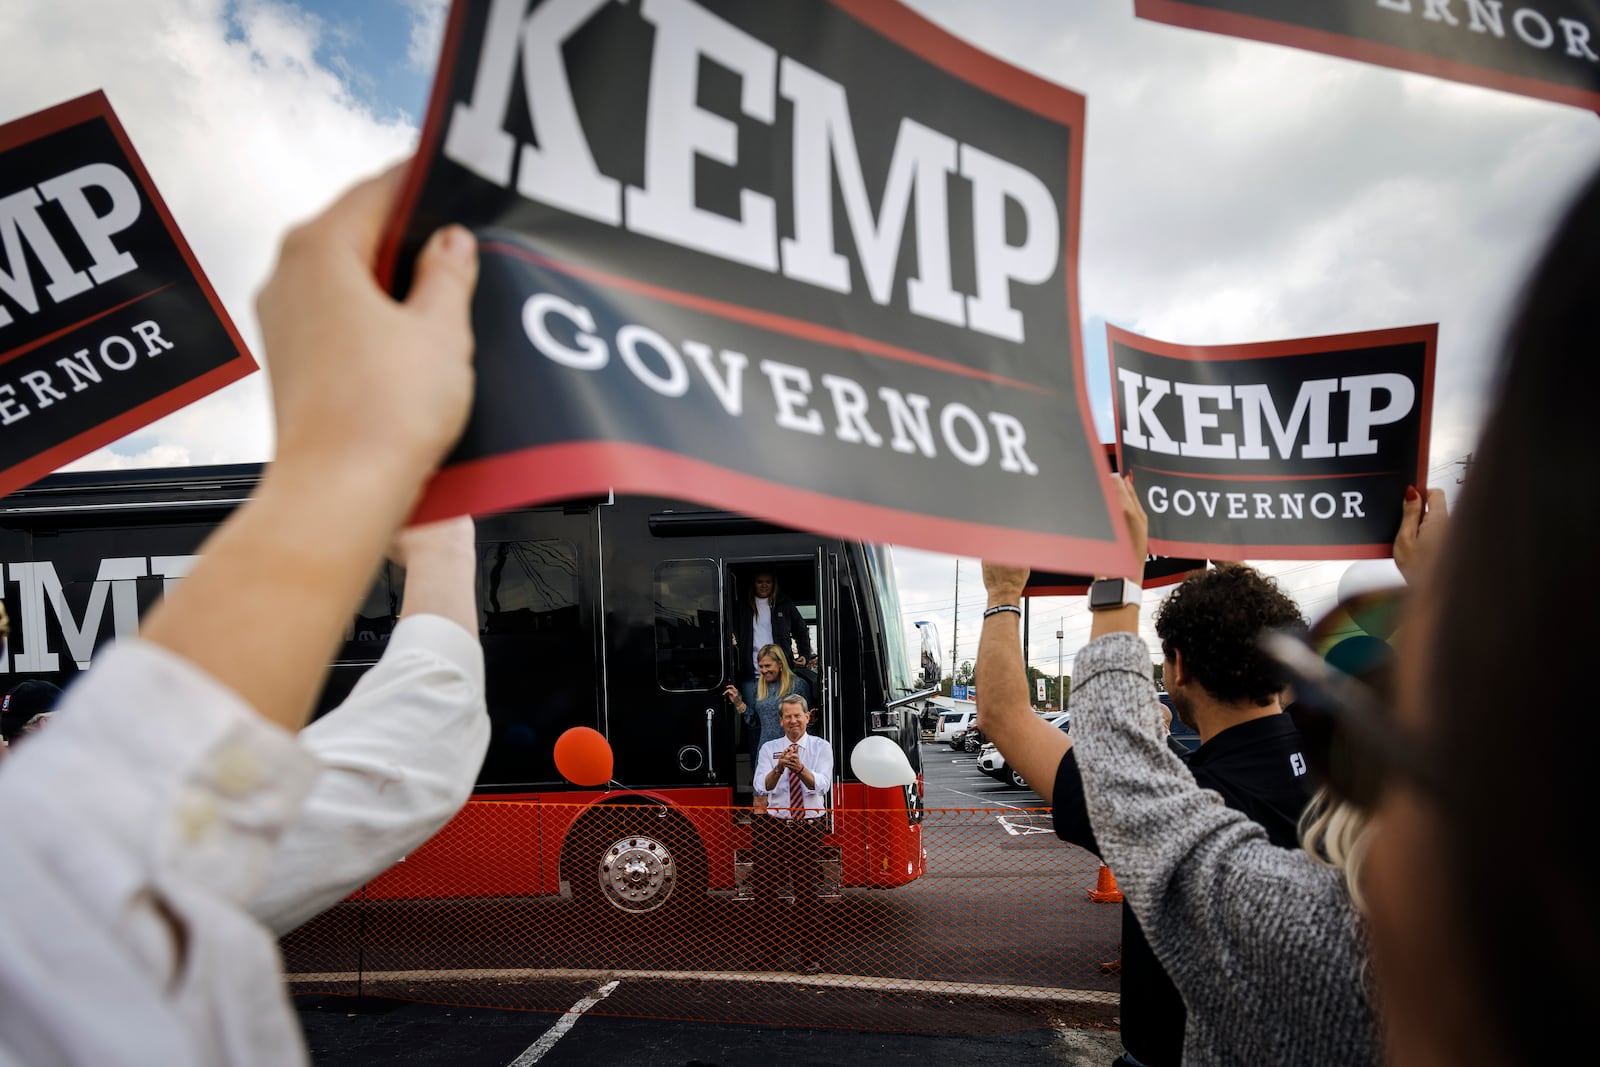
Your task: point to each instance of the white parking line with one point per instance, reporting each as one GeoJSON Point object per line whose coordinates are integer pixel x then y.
{"type": "Point", "coordinates": [535, 1052]}
{"type": "Point", "coordinates": [982, 801]}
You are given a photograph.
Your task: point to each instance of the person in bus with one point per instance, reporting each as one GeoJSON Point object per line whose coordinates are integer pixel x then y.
{"type": "Point", "coordinates": [759, 699]}
{"type": "Point", "coordinates": [769, 618]}
{"type": "Point", "coordinates": [143, 821]}
{"type": "Point", "coordinates": [795, 773]}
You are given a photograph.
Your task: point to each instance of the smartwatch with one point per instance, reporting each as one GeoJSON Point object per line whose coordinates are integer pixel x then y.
{"type": "Point", "coordinates": [1106, 594]}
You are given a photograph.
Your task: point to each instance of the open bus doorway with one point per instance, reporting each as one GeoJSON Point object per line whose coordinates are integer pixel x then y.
{"type": "Point", "coordinates": [794, 583]}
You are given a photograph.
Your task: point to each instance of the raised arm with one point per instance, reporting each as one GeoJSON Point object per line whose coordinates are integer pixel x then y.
{"type": "Point", "coordinates": [1030, 745]}
{"type": "Point", "coordinates": [368, 395]}
{"type": "Point", "coordinates": [400, 755]}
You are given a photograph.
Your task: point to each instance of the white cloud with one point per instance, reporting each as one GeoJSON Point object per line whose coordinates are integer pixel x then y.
{"type": "Point", "coordinates": [427, 32]}
{"type": "Point", "coordinates": [243, 133]}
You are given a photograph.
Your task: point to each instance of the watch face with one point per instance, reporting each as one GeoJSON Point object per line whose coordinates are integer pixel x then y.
{"type": "Point", "coordinates": [1105, 593]}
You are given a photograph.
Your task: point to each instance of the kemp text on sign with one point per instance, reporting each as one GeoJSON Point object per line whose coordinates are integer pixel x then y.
{"type": "Point", "coordinates": [106, 321]}
{"type": "Point", "coordinates": [1297, 449]}
{"type": "Point", "coordinates": [1549, 49]}
{"type": "Point", "coordinates": [810, 261]}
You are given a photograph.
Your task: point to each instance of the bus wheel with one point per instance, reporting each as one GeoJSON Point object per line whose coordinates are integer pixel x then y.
{"type": "Point", "coordinates": [634, 862]}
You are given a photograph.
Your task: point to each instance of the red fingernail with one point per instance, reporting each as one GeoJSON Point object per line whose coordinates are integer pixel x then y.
{"type": "Point", "coordinates": [1411, 492]}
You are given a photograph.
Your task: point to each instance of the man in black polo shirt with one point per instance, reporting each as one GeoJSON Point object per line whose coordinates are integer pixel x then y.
{"type": "Point", "coordinates": [1220, 684]}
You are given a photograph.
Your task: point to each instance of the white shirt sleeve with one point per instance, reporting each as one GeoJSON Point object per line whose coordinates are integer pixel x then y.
{"type": "Point", "coordinates": [819, 761]}
{"type": "Point", "coordinates": [399, 759]}
{"type": "Point", "coordinates": [137, 826]}
{"type": "Point", "coordinates": [764, 761]}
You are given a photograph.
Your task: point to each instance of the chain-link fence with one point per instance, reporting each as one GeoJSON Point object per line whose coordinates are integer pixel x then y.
{"type": "Point", "coordinates": [729, 915]}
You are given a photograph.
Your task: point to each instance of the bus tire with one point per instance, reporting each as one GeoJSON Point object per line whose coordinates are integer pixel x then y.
{"type": "Point", "coordinates": [634, 862]}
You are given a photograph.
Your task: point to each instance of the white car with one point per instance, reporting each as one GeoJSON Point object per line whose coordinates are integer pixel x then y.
{"type": "Point", "coordinates": [992, 763]}
{"type": "Point", "coordinates": [952, 723]}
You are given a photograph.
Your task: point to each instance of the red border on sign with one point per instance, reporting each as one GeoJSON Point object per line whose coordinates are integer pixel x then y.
{"type": "Point", "coordinates": [1254, 28]}
{"type": "Point", "coordinates": [30, 470]}
{"type": "Point", "coordinates": [76, 112]}
{"type": "Point", "coordinates": [713, 484]}
{"type": "Point", "coordinates": [587, 468]}
{"type": "Point", "coordinates": [1426, 335]}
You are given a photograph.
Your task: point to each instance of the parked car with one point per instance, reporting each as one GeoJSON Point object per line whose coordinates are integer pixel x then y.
{"type": "Point", "coordinates": [992, 763]}
{"type": "Point", "coordinates": [951, 725]}
{"type": "Point", "coordinates": [974, 739]}
{"type": "Point", "coordinates": [1187, 736]}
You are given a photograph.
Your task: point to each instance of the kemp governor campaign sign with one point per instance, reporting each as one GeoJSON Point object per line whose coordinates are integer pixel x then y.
{"type": "Point", "coordinates": [1548, 49]}
{"type": "Point", "coordinates": [812, 261]}
{"type": "Point", "coordinates": [106, 321]}
{"type": "Point", "coordinates": [1296, 449]}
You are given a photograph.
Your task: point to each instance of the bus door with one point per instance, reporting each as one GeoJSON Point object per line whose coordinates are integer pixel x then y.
{"type": "Point", "coordinates": [665, 667]}
{"type": "Point", "coordinates": [799, 580]}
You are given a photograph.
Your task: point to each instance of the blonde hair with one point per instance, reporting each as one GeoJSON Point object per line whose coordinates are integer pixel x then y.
{"type": "Point", "coordinates": [1336, 834]}
{"type": "Point", "coordinates": [785, 675]}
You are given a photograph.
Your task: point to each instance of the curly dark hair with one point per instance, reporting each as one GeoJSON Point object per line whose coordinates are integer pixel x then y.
{"type": "Point", "coordinates": [1214, 618]}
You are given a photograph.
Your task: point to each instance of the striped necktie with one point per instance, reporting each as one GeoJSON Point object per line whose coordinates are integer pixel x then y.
{"type": "Point", "coordinates": [797, 795]}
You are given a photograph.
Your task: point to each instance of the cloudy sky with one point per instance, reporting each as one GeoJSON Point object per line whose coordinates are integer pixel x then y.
{"type": "Point", "coordinates": [1234, 192]}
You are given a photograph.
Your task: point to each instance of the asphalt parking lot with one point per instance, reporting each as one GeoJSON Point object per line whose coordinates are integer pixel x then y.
{"type": "Point", "coordinates": [615, 1017]}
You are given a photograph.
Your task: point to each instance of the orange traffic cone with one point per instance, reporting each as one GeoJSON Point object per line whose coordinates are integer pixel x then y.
{"type": "Point", "coordinates": [1105, 890]}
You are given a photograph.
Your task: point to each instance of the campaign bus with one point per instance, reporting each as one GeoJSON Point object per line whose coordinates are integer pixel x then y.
{"type": "Point", "coordinates": [615, 613]}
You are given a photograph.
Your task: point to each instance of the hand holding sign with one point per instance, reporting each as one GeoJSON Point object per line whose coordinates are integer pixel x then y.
{"type": "Point", "coordinates": [418, 352]}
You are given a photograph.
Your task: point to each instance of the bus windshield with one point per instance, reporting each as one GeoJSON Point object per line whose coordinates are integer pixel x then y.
{"type": "Point", "coordinates": [887, 590]}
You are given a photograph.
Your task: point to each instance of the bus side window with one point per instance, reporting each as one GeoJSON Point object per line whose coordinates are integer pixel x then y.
{"type": "Point", "coordinates": [688, 625]}
{"type": "Point", "coordinates": [374, 621]}
{"type": "Point", "coordinates": [534, 646]}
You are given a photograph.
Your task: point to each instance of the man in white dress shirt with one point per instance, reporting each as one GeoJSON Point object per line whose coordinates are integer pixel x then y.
{"type": "Point", "coordinates": [794, 772]}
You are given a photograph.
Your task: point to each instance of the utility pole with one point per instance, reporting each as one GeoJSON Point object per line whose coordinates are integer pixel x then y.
{"type": "Point", "coordinates": [1026, 604]}
{"type": "Point", "coordinates": [1061, 673]}
{"type": "Point", "coordinates": [955, 626]}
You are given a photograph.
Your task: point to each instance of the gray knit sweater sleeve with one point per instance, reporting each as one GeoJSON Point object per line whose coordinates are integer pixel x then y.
{"type": "Point", "coordinates": [1263, 942]}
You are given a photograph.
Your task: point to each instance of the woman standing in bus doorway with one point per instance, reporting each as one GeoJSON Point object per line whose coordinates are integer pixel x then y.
{"type": "Point", "coordinates": [757, 699]}
{"type": "Point", "coordinates": [771, 619]}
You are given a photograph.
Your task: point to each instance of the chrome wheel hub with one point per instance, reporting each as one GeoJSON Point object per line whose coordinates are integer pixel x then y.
{"type": "Point", "coordinates": [637, 874]}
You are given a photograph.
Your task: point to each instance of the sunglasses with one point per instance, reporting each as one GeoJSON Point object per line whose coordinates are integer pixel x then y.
{"type": "Point", "coordinates": [1342, 674]}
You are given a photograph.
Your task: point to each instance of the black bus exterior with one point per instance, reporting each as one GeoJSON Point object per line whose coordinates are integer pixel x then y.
{"type": "Point", "coordinates": [615, 614]}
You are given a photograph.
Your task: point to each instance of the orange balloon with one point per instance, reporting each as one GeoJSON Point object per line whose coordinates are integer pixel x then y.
{"type": "Point", "coordinates": [583, 756]}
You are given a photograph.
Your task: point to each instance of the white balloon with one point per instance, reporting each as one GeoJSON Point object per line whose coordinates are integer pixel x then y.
{"type": "Point", "coordinates": [881, 763]}
{"type": "Point", "coordinates": [1365, 575]}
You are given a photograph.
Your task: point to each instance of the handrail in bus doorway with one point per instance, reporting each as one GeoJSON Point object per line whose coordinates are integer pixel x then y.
{"type": "Point", "coordinates": [711, 771]}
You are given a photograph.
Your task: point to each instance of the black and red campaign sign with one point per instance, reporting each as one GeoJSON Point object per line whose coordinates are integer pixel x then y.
{"type": "Point", "coordinates": [812, 261]}
{"type": "Point", "coordinates": [107, 322]}
{"type": "Point", "coordinates": [1549, 49]}
{"type": "Point", "coordinates": [1158, 570]}
{"type": "Point", "coordinates": [1297, 449]}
